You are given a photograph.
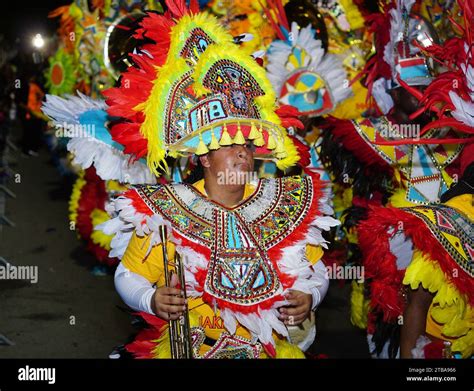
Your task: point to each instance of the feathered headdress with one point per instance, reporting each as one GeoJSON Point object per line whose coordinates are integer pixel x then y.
{"type": "Point", "coordinates": [399, 37]}
{"type": "Point", "coordinates": [193, 90]}
{"type": "Point", "coordinates": [300, 71]}
{"type": "Point", "coordinates": [451, 94]}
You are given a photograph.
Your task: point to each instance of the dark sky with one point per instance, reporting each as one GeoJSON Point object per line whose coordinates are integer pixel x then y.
{"type": "Point", "coordinates": [21, 20]}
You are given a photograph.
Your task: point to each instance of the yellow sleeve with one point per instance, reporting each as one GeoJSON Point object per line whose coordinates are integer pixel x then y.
{"type": "Point", "coordinates": [314, 253]}
{"type": "Point", "coordinates": [151, 266]}
{"type": "Point", "coordinates": [464, 203]}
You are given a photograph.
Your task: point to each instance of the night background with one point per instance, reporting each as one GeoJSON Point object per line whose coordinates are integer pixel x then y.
{"type": "Point", "coordinates": [51, 204]}
{"type": "Point", "coordinates": [55, 248]}
{"type": "Point", "coordinates": [21, 21]}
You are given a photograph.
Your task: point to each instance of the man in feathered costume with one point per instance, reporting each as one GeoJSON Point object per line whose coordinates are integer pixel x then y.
{"type": "Point", "coordinates": [421, 268]}
{"type": "Point", "coordinates": [250, 250]}
{"type": "Point", "coordinates": [371, 151]}
{"type": "Point", "coordinates": [307, 75]}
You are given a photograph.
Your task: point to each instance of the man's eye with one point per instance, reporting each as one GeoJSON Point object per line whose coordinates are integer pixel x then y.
{"type": "Point", "coordinates": [250, 146]}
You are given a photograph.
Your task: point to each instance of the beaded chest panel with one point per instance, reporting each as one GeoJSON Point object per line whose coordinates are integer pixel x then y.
{"type": "Point", "coordinates": [452, 229]}
{"type": "Point", "coordinates": [423, 165]}
{"type": "Point", "coordinates": [239, 270]}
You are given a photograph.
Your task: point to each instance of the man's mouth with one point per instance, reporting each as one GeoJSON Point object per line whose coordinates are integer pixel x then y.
{"type": "Point", "coordinates": [243, 165]}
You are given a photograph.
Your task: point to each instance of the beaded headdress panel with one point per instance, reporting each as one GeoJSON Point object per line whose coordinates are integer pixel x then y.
{"type": "Point", "coordinates": [195, 91]}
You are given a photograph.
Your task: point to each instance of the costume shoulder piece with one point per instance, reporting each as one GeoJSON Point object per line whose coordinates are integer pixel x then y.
{"type": "Point", "coordinates": [270, 214]}
{"type": "Point", "coordinates": [429, 246]}
{"type": "Point", "coordinates": [241, 259]}
{"type": "Point", "coordinates": [452, 229]}
{"type": "Point", "coordinates": [423, 165]}
{"type": "Point", "coordinates": [440, 232]}
{"type": "Point", "coordinates": [84, 121]}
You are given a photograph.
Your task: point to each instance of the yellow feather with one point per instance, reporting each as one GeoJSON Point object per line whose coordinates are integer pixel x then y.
{"type": "Point", "coordinates": [99, 216]}
{"type": "Point", "coordinates": [359, 306]}
{"type": "Point", "coordinates": [204, 21]}
{"type": "Point", "coordinates": [75, 196]}
{"type": "Point", "coordinates": [154, 108]}
{"type": "Point", "coordinates": [449, 309]}
{"type": "Point", "coordinates": [292, 158]}
{"type": "Point", "coordinates": [354, 17]}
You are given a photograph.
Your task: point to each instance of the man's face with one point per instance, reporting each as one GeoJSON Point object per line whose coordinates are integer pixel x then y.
{"type": "Point", "coordinates": [405, 101]}
{"type": "Point", "coordinates": [227, 160]}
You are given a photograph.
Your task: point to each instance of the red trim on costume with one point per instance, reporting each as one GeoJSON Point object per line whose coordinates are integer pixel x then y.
{"type": "Point", "coordinates": [276, 252]}
{"type": "Point", "coordinates": [201, 274]}
{"type": "Point", "coordinates": [142, 346]}
{"type": "Point", "coordinates": [275, 255]}
{"type": "Point", "coordinates": [137, 202]}
{"type": "Point", "coordinates": [345, 132]}
{"type": "Point", "coordinates": [380, 263]}
{"type": "Point", "coordinates": [269, 349]}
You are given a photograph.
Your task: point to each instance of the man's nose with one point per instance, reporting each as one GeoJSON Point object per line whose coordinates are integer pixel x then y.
{"type": "Point", "coordinates": [242, 151]}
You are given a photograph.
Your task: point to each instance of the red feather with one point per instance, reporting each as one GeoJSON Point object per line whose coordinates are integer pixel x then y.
{"type": "Point", "coordinates": [137, 82]}
{"type": "Point", "coordinates": [289, 116]}
{"type": "Point", "coordinates": [467, 157]}
{"type": "Point", "coordinates": [93, 196]}
{"type": "Point", "coordinates": [434, 350]}
{"type": "Point", "coordinates": [380, 263]}
{"type": "Point", "coordinates": [194, 6]}
{"type": "Point", "coordinates": [137, 202]}
{"type": "Point", "coordinates": [345, 132]}
{"type": "Point", "coordinates": [146, 340]}
{"type": "Point", "coordinates": [177, 8]}
{"type": "Point", "coordinates": [303, 151]}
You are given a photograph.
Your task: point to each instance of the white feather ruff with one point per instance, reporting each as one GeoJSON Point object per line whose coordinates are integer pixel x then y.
{"type": "Point", "coordinates": [68, 109]}
{"type": "Point", "coordinates": [464, 110]}
{"type": "Point", "coordinates": [293, 261]}
{"type": "Point", "coordinates": [127, 221]}
{"type": "Point", "coordinates": [110, 162]}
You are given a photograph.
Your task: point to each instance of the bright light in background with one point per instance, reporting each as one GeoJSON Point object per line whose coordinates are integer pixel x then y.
{"type": "Point", "coordinates": [38, 41]}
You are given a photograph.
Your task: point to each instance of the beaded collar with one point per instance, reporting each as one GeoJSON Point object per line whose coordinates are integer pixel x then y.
{"type": "Point", "coordinates": [240, 270]}
{"type": "Point", "coordinates": [423, 165]}
{"type": "Point", "coordinates": [452, 229]}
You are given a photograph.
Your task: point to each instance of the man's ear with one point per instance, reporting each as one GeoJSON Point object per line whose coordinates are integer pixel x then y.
{"type": "Point", "coordinates": [204, 159]}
